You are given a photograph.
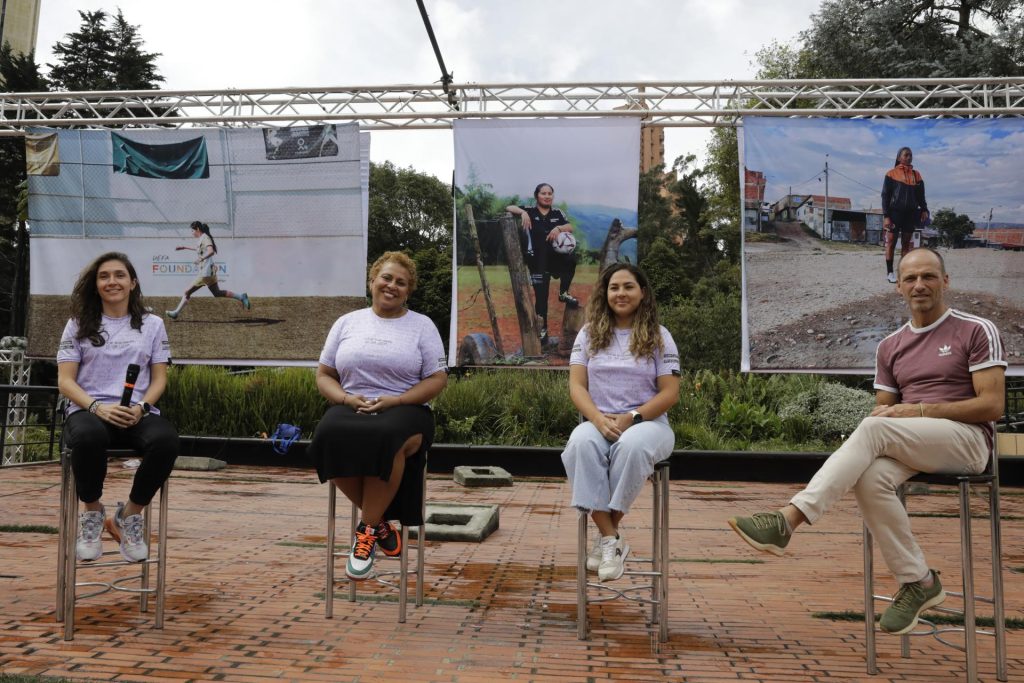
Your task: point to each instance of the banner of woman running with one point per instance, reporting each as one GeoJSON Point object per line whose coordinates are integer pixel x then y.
{"type": "Point", "coordinates": [829, 207]}
{"type": "Point", "coordinates": [540, 206]}
{"type": "Point", "coordinates": [249, 243]}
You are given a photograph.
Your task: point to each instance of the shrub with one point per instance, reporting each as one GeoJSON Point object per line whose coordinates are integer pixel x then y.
{"type": "Point", "coordinates": [829, 410]}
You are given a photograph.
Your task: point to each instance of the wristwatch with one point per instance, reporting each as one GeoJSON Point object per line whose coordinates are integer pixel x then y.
{"type": "Point", "coordinates": [146, 408]}
{"type": "Point", "coordinates": [637, 417]}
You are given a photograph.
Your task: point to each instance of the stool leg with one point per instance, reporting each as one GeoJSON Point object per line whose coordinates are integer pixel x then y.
{"type": "Point", "coordinates": [70, 534]}
{"type": "Point", "coordinates": [329, 588]}
{"type": "Point", "coordinates": [161, 557]}
{"type": "Point", "coordinates": [904, 639]}
{"type": "Point", "coordinates": [655, 549]}
{"type": "Point", "coordinates": [998, 608]}
{"type": "Point", "coordinates": [147, 518]}
{"type": "Point", "coordinates": [62, 530]}
{"type": "Point", "coordinates": [421, 539]}
{"type": "Point", "coordinates": [403, 577]}
{"type": "Point", "coordinates": [354, 523]}
{"type": "Point", "coordinates": [869, 602]}
{"type": "Point", "coordinates": [967, 560]}
{"type": "Point", "coordinates": [581, 577]}
{"type": "Point", "coordinates": [663, 551]}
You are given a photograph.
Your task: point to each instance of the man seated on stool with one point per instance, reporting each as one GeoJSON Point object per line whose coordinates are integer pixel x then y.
{"type": "Point", "coordinates": [939, 385]}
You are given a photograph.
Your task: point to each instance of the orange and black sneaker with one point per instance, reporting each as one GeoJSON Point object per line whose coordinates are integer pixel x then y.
{"type": "Point", "coordinates": [388, 538]}
{"type": "Point", "coordinates": [360, 559]}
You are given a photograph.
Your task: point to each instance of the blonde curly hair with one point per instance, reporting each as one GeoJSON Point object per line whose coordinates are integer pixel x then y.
{"type": "Point", "coordinates": [399, 257]}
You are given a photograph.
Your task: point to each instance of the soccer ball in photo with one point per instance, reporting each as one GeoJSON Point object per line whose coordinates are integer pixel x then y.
{"type": "Point", "coordinates": [564, 243]}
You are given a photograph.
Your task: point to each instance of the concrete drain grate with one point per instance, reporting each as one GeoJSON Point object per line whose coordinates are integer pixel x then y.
{"type": "Point", "coordinates": [482, 476]}
{"type": "Point", "coordinates": [458, 522]}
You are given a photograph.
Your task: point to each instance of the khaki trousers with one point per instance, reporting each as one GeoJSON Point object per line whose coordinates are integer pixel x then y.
{"type": "Point", "coordinates": [881, 454]}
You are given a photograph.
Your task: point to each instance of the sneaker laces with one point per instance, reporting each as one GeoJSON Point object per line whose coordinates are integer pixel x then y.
{"type": "Point", "coordinates": [769, 520]}
{"type": "Point", "coordinates": [366, 539]}
{"type": "Point", "coordinates": [90, 526]}
{"type": "Point", "coordinates": [384, 530]}
{"type": "Point", "coordinates": [908, 597]}
{"type": "Point", "coordinates": [608, 549]}
{"type": "Point", "coordinates": [132, 527]}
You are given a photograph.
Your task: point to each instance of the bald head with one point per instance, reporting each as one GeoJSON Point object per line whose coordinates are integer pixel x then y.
{"type": "Point", "coordinates": [920, 256]}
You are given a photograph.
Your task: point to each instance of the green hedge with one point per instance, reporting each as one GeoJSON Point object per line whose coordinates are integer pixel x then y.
{"type": "Point", "coordinates": [518, 407]}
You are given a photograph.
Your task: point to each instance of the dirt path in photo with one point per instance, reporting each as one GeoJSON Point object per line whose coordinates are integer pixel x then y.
{"type": "Point", "coordinates": [825, 305]}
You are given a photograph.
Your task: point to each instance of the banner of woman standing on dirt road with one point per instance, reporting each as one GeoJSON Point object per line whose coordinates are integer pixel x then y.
{"type": "Point", "coordinates": [249, 243]}
{"type": "Point", "coordinates": [540, 206]}
{"type": "Point", "coordinates": [828, 208]}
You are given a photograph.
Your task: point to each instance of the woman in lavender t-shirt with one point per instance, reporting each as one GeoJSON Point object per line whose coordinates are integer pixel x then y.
{"type": "Point", "coordinates": [379, 368]}
{"type": "Point", "coordinates": [110, 329]}
{"type": "Point", "coordinates": [623, 378]}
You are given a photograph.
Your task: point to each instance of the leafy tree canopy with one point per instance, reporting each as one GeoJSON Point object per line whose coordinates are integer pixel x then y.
{"type": "Point", "coordinates": [105, 53]}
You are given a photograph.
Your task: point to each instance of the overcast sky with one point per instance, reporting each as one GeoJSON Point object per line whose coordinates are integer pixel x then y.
{"type": "Point", "coordinates": [213, 44]}
{"type": "Point", "coordinates": [972, 166]}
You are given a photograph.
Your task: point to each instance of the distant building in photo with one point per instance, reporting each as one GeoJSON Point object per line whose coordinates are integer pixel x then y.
{"type": "Point", "coordinates": [754, 215]}
{"type": "Point", "coordinates": [19, 24]}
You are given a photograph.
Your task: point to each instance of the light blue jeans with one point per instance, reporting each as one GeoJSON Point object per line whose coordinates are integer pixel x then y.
{"type": "Point", "coordinates": [607, 476]}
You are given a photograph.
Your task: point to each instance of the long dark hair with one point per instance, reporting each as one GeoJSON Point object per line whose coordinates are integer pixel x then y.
{"type": "Point", "coordinates": [205, 229]}
{"type": "Point", "coordinates": [900, 153]}
{"type": "Point", "coordinates": [87, 307]}
{"type": "Point", "coordinates": [645, 337]}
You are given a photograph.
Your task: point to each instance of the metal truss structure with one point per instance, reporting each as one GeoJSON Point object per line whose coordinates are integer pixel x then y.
{"type": "Point", "coordinates": [14, 370]}
{"type": "Point", "coordinates": [694, 104]}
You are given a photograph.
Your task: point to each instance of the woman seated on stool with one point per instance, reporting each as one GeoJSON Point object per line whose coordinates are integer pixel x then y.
{"type": "Point", "coordinates": [379, 368]}
{"type": "Point", "coordinates": [623, 378]}
{"type": "Point", "coordinates": [110, 329]}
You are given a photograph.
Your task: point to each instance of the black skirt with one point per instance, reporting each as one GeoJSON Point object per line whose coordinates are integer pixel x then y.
{"type": "Point", "coordinates": [349, 444]}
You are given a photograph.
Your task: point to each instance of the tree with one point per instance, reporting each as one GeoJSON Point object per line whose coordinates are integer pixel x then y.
{"type": "Point", "coordinates": [953, 227]}
{"type": "Point", "coordinates": [911, 39]}
{"type": "Point", "coordinates": [18, 73]}
{"type": "Point", "coordinates": [104, 55]}
{"type": "Point", "coordinates": [409, 210]}
{"type": "Point", "coordinates": [412, 212]}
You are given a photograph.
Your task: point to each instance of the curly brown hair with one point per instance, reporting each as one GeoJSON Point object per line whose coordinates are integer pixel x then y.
{"type": "Point", "coordinates": [645, 337]}
{"type": "Point", "coordinates": [399, 257]}
{"type": "Point", "coordinates": [87, 307]}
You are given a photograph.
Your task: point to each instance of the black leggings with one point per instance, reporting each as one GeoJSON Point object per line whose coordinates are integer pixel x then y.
{"type": "Point", "coordinates": [89, 437]}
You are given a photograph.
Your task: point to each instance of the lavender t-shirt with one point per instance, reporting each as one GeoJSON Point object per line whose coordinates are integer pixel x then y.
{"type": "Point", "coordinates": [101, 369]}
{"type": "Point", "coordinates": [377, 356]}
{"type": "Point", "coordinates": [619, 382]}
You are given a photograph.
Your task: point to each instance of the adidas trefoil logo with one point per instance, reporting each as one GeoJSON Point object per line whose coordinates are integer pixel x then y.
{"type": "Point", "coordinates": [946, 350]}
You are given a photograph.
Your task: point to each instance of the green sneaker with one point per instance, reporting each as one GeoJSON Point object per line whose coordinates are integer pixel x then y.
{"type": "Point", "coordinates": [908, 603]}
{"type": "Point", "coordinates": [764, 530]}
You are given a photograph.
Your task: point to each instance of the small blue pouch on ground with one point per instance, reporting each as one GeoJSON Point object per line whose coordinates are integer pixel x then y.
{"type": "Point", "coordinates": [284, 436]}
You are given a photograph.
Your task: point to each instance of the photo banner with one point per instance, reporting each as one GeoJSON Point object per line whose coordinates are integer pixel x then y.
{"type": "Point", "coordinates": [519, 294]}
{"type": "Point", "coordinates": [285, 207]}
{"type": "Point", "coordinates": [817, 293]}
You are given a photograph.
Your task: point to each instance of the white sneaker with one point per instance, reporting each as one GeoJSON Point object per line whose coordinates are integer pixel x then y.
{"type": "Point", "coordinates": [594, 556]}
{"type": "Point", "coordinates": [614, 550]}
{"type": "Point", "coordinates": [89, 545]}
{"type": "Point", "coordinates": [891, 277]}
{"type": "Point", "coordinates": [129, 531]}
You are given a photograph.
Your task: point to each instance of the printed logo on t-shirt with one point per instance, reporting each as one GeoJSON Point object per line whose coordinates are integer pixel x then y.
{"type": "Point", "coordinates": [946, 350]}
{"type": "Point", "coordinates": [165, 345]}
{"type": "Point", "coordinates": [66, 345]}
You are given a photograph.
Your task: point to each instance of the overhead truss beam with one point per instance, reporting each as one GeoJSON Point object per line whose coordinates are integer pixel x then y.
{"type": "Point", "coordinates": [695, 104]}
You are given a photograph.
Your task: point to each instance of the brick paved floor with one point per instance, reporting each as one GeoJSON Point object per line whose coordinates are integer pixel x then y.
{"type": "Point", "coordinates": [245, 599]}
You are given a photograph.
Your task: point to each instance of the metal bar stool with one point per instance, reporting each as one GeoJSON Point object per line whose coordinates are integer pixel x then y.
{"type": "Point", "coordinates": [68, 565]}
{"type": "Point", "coordinates": [658, 573]}
{"type": "Point", "coordinates": [990, 480]}
{"type": "Point", "coordinates": [381, 577]}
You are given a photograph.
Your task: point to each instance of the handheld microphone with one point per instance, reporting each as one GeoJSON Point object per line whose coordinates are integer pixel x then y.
{"type": "Point", "coordinates": [129, 384]}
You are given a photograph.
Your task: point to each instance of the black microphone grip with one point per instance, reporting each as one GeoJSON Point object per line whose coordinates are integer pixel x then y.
{"type": "Point", "coordinates": [129, 384]}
